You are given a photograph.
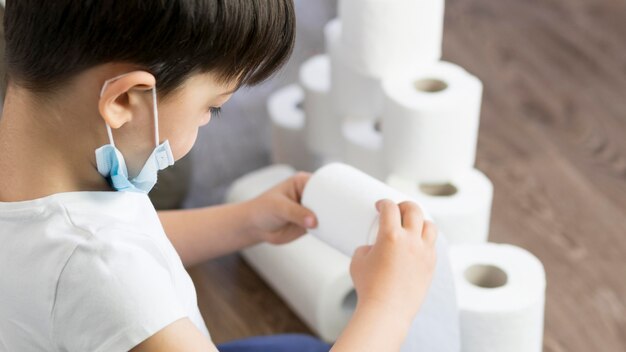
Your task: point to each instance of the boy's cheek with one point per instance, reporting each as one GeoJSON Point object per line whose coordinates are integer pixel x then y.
{"type": "Point", "coordinates": [191, 143]}
{"type": "Point", "coordinates": [182, 144]}
{"type": "Point", "coordinates": [205, 119]}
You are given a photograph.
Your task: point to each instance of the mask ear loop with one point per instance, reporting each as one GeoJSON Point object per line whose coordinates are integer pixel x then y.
{"type": "Point", "coordinates": [155, 113]}
{"type": "Point", "coordinates": [109, 132]}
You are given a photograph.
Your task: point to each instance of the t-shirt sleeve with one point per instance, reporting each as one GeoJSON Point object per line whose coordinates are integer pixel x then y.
{"type": "Point", "coordinates": [112, 295]}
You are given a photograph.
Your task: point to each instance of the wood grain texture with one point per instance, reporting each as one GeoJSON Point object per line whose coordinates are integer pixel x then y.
{"type": "Point", "coordinates": [553, 141]}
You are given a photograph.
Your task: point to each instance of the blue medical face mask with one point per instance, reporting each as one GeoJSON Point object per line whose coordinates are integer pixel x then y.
{"type": "Point", "coordinates": [112, 166]}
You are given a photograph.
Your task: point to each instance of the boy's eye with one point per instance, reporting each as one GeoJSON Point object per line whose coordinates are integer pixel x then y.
{"type": "Point", "coordinates": [215, 112]}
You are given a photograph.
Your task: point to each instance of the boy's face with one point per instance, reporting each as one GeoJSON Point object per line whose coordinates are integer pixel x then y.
{"type": "Point", "coordinates": [188, 108]}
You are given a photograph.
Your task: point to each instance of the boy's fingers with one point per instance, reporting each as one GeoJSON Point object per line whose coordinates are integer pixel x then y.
{"type": "Point", "coordinates": [390, 218]}
{"type": "Point", "coordinates": [412, 216]}
{"type": "Point", "coordinates": [430, 232]}
{"type": "Point", "coordinates": [298, 183]}
{"type": "Point", "coordinates": [299, 215]}
{"type": "Point", "coordinates": [361, 251]}
{"type": "Point", "coordinates": [292, 232]}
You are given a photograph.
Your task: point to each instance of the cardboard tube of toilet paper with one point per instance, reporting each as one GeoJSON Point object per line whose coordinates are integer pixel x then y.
{"type": "Point", "coordinates": [431, 121]}
{"type": "Point", "coordinates": [501, 295]}
{"type": "Point", "coordinates": [287, 129]}
{"type": "Point", "coordinates": [344, 200]}
{"type": "Point", "coordinates": [316, 282]}
{"type": "Point", "coordinates": [353, 94]}
{"type": "Point", "coordinates": [363, 147]}
{"type": "Point", "coordinates": [322, 125]}
{"type": "Point", "coordinates": [382, 37]}
{"type": "Point", "coordinates": [461, 207]}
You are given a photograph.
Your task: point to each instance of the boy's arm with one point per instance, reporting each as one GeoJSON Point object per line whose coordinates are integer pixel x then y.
{"type": "Point", "coordinates": [373, 328]}
{"type": "Point", "coordinates": [275, 216]}
{"type": "Point", "coordinates": [370, 329]}
{"type": "Point", "coordinates": [205, 233]}
{"type": "Point", "coordinates": [391, 278]}
{"type": "Point", "coordinates": [181, 335]}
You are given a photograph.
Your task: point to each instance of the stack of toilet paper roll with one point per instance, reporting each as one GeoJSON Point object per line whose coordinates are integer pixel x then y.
{"type": "Point", "coordinates": [370, 41]}
{"type": "Point", "coordinates": [430, 131]}
{"type": "Point", "coordinates": [381, 100]}
{"type": "Point", "coordinates": [497, 305]}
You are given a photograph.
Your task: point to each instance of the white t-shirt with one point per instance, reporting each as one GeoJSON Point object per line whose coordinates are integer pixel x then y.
{"type": "Point", "coordinates": [88, 271]}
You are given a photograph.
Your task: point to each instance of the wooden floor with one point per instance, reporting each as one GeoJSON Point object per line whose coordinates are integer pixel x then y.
{"type": "Point", "coordinates": [553, 141]}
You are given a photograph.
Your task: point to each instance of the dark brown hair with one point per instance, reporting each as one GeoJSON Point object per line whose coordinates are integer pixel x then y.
{"type": "Point", "coordinates": [49, 41]}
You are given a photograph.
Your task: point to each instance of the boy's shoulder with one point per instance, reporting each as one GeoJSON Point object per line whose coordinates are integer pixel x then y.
{"type": "Point", "coordinates": [51, 231]}
{"type": "Point", "coordinates": [80, 260]}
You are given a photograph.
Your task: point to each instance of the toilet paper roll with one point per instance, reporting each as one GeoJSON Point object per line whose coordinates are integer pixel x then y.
{"type": "Point", "coordinates": [316, 283]}
{"type": "Point", "coordinates": [322, 125]}
{"type": "Point", "coordinates": [363, 147]}
{"type": "Point", "coordinates": [501, 295]}
{"type": "Point", "coordinates": [287, 134]}
{"type": "Point", "coordinates": [353, 94]}
{"type": "Point", "coordinates": [344, 201]}
{"type": "Point", "coordinates": [312, 278]}
{"type": "Point", "coordinates": [461, 207]}
{"type": "Point", "coordinates": [431, 123]}
{"type": "Point", "coordinates": [382, 37]}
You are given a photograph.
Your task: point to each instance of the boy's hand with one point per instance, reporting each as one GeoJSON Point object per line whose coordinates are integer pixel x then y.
{"type": "Point", "coordinates": [277, 215]}
{"type": "Point", "coordinates": [394, 274]}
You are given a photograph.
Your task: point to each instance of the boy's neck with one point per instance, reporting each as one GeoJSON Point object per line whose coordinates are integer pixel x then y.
{"type": "Point", "coordinates": [42, 151]}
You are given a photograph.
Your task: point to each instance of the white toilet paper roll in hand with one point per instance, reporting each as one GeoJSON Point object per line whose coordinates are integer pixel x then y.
{"type": "Point", "coordinates": [501, 295]}
{"type": "Point", "coordinates": [381, 37]}
{"type": "Point", "coordinates": [344, 201]}
{"type": "Point", "coordinates": [287, 140]}
{"type": "Point", "coordinates": [343, 198]}
{"type": "Point", "coordinates": [461, 207]}
{"type": "Point", "coordinates": [322, 125]}
{"type": "Point", "coordinates": [311, 277]}
{"type": "Point", "coordinates": [354, 95]}
{"type": "Point", "coordinates": [431, 123]}
{"type": "Point", "coordinates": [363, 147]}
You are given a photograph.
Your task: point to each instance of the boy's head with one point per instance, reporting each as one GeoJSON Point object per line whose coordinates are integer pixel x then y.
{"type": "Point", "coordinates": [196, 52]}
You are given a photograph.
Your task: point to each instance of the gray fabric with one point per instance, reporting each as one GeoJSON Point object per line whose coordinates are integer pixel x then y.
{"type": "Point", "coordinates": [238, 141]}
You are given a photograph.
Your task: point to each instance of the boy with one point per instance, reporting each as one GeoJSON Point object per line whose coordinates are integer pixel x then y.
{"type": "Point", "coordinates": [101, 96]}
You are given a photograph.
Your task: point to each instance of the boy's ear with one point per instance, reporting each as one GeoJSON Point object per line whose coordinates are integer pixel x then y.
{"type": "Point", "coordinates": [119, 98]}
